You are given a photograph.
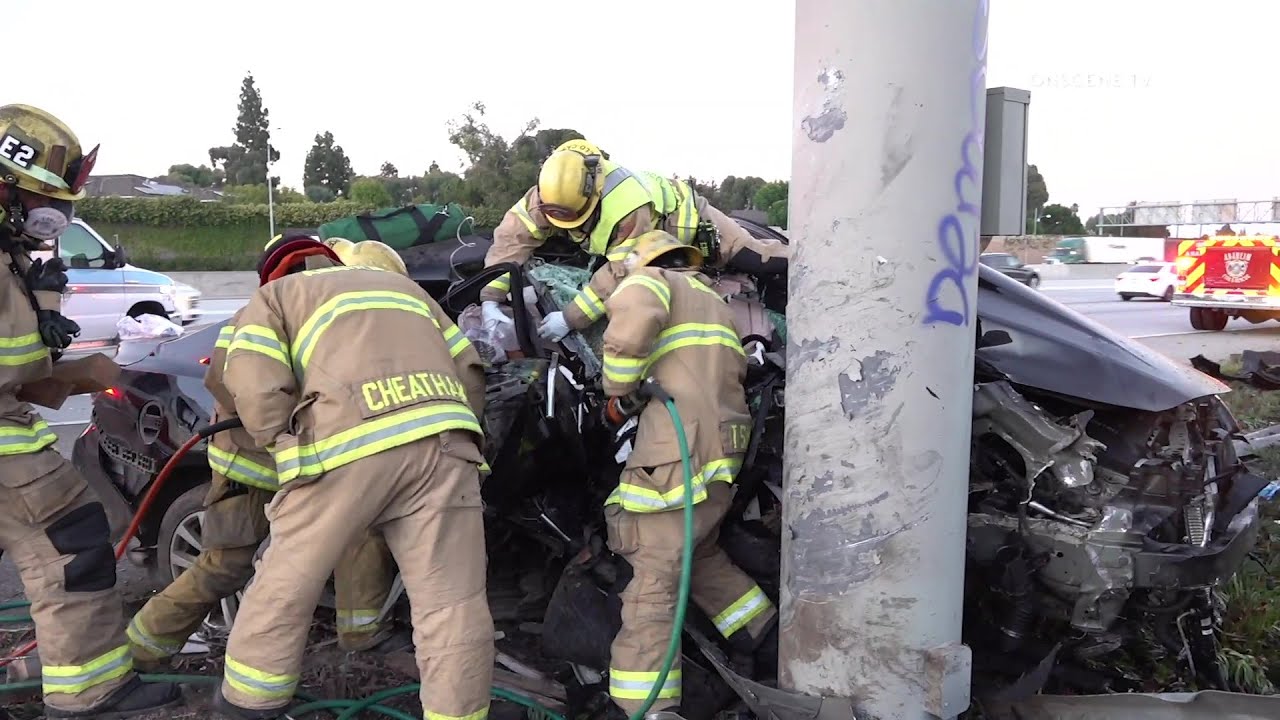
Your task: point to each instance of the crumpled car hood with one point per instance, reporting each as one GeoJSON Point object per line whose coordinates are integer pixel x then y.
{"type": "Point", "coordinates": [1059, 350]}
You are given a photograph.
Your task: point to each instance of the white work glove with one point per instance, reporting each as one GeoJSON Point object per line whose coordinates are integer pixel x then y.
{"type": "Point", "coordinates": [490, 312]}
{"type": "Point", "coordinates": [553, 327]}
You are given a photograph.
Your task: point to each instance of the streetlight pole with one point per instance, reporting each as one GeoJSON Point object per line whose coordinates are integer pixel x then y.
{"type": "Point", "coordinates": [886, 188]}
{"type": "Point", "coordinates": [271, 208]}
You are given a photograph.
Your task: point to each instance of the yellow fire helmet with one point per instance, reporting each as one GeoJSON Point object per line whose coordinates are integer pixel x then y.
{"type": "Point", "coordinates": [581, 145]}
{"type": "Point", "coordinates": [335, 243]}
{"type": "Point", "coordinates": [369, 253]}
{"type": "Point", "coordinates": [569, 187]}
{"type": "Point", "coordinates": [40, 154]}
{"type": "Point", "coordinates": [656, 243]}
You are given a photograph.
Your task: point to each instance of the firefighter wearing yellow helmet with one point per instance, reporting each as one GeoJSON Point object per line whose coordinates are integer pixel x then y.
{"type": "Point", "coordinates": [51, 523]}
{"type": "Point", "coordinates": [666, 323]}
{"type": "Point", "coordinates": [604, 206]}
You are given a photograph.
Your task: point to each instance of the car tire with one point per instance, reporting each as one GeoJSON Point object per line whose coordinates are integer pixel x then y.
{"type": "Point", "coordinates": [1033, 281]}
{"type": "Point", "coordinates": [1168, 295]}
{"type": "Point", "coordinates": [1215, 320]}
{"type": "Point", "coordinates": [178, 544]}
{"type": "Point", "coordinates": [1197, 318]}
{"type": "Point", "coordinates": [1125, 297]}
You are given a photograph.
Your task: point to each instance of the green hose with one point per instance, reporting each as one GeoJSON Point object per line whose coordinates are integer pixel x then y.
{"type": "Point", "coordinates": [14, 619]}
{"type": "Point", "coordinates": [14, 605]}
{"type": "Point", "coordinates": [686, 564]}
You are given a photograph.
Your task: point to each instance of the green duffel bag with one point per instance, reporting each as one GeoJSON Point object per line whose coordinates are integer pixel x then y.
{"type": "Point", "coordinates": [402, 227]}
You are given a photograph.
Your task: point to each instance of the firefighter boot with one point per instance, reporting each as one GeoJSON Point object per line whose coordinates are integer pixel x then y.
{"type": "Point", "coordinates": [133, 698]}
{"type": "Point", "coordinates": [226, 707]}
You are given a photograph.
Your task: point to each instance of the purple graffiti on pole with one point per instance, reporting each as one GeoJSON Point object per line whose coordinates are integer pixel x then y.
{"type": "Point", "coordinates": [961, 249]}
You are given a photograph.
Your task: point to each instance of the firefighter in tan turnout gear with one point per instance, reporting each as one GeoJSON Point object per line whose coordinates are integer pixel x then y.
{"type": "Point", "coordinates": [235, 524]}
{"type": "Point", "coordinates": [51, 524]}
{"type": "Point", "coordinates": [604, 207]}
{"type": "Point", "coordinates": [667, 324]}
{"type": "Point", "coordinates": [368, 398]}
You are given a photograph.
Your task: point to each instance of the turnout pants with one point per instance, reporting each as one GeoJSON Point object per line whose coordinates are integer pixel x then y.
{"type": "Point", "coordinates": [56, 531]}
{"type": "Point", "coordinates": [234, 525]}
{"type": "Point", "coordinates": [424, 499]}
{"type": "Point", "coordinates": [652, 543]}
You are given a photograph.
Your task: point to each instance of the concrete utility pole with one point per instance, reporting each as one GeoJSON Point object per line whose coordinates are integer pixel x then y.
{"type": "Point", "coordinates": [890, 99]}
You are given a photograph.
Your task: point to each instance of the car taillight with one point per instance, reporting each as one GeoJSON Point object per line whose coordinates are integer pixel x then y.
{"type": "Point", "coordinates": [205, 360]}
{"type": "Point", "coordinates": [113, 393]}
{"type": "Point", "coordinates": [1154, 278]}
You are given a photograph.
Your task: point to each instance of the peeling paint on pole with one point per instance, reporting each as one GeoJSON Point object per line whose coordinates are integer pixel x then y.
{"type": "Point", "coordinates": [878, 399]}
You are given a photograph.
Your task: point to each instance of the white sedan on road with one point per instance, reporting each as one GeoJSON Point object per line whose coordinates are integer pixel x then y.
{"type": "Point", "coordinates": [1157, 280]}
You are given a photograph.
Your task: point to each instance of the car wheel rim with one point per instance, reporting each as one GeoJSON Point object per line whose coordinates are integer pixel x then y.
{"type": "Point", "coordinates": [184, 548]}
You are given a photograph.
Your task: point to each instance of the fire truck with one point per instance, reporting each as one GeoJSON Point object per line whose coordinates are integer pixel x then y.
{"type": "Point", "coordinates": [1229, 276]}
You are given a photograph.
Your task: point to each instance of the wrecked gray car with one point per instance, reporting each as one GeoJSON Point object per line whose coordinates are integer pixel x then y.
{"type": "Point", "coordinates": [1107, 501]}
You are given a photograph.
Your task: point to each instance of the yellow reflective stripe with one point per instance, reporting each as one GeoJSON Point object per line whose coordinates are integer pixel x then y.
{"type": "Point", "coordinates": [17, 440]}
{"type": "Point", "coordinates": [365, 620]}
{"type": "Point", "coordinates": [658, 287]}
{"type": "Point", "coordinates": [695, 334]}
{"type": "Point", "coordinates": [457, 342]}
{"type": "Point", "coordinates": [225, 336]}
{"type": "Point", "coordinates": [743, 610]}
{"type": "Point", "coordinates": [700, 286]}
{"type": "Point", "coordinates": [589, 303]}
{"type": "Point", "coordinates": [242, 469]}
{"type": "Point", "coordinates": [624, 370]}
{"type": "Point", "coordinates": [160, 647]}
{"type": "Point", "coordinates": [309, 335]}
{"type": "Point", "coordinates": [108, 666]}
{"type": "Point", "coordinates": [477, 715]}
{"type": "Point", "coordinates": [688, 205]}
{"type": "Point", "coordinates": [627, 370]}
{"type": "Point", "coordinates": [501, 284]}
{"type": "Point", "coordinates": [336, 268]}
{"type": "Point", "coordinates": [638, 498]}
{"type": "Point", "coordinates": [261, 340]}
{"type": "Point", "coordinates": [521, 210]}
{"type": "Point", "coordinates": [21, 350]}
{"type": "Point", "coordinates": [373, 437]}
{"type": "Point", "coordinates": [257, 683]}
{"type": "Point", "coordinates": [630, 685]}
{"type": "Point", "coordinates": [619, 252]}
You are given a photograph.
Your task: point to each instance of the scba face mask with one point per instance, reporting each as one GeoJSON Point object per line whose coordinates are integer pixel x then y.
{"type": "Point", "coordinates": [45, 224]}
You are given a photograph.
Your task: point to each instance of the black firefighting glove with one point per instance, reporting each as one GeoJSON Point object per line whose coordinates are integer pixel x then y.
{"type": "Point", "coordinates": [617, 410]}
{"type": "Point", "coordinates": [56, 331]}
{"type": "Point", "coordinates": [46, 276]}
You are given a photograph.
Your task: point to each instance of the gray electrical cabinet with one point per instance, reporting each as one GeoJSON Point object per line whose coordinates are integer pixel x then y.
{"type": "Point", "coordinates": [1004, 174]}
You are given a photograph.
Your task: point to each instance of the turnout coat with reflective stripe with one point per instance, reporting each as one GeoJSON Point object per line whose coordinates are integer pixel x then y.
{"type": "Point", "coordinates": [234, 454]}
{"type": "Point", "coordinates": [330, 366]}
{"type": "Point", "coordinates": [669, 325]}
{"type": "Point", "coordinates": [23, 359]}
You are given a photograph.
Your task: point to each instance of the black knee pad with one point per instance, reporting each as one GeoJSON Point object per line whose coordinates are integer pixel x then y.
{"type": "Point", "coordinates": [85, 534]}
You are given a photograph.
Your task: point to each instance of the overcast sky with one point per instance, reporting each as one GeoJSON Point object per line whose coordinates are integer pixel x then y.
{"type": "Point", "coordinates": [1130, 99]}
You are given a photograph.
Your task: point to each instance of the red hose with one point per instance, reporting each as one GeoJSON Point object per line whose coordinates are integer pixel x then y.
{"type": "Point", "coordinates": [154, 491]}
{"type": "Point", "coordinates": [138, 517]}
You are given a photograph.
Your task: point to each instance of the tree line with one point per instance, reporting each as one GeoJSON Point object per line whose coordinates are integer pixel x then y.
{"type": "Point", "coordinates": [498, 171]}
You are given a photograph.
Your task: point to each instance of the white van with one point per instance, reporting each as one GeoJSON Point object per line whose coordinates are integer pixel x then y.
{"type": "Point", "coordinates": [102, 287]}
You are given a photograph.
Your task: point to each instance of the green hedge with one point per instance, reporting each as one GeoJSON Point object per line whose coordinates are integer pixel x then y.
{"type": "Point", "coordinates": [186, 234]}
{"type": "Point", "coordinates": [185, 212]}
